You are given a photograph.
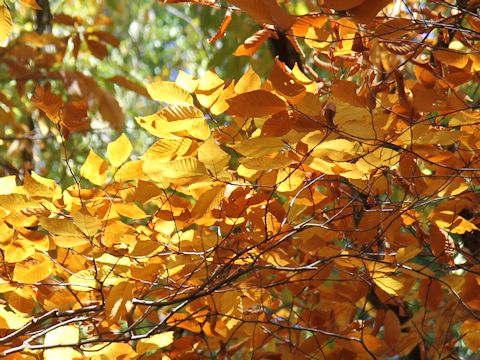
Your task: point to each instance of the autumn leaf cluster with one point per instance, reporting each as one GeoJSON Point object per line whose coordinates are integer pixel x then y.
{"type": "Point", "coordinates": [327, 211]}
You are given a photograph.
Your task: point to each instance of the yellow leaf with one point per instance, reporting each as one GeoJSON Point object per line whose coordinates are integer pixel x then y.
{"type": "Point", "coordinates": [169, 92]}
{"type": "Point", "coordinates": [377, 159]}
{"type": "Point", "coordinates": [7, 184]}
{"type": "Point", "coordinates": [131, 211]}
{"type": "Point", "coordinates": [209, 89]}
{"type": "Point", "coordinates": [258, 147]}
{"type": "Point", "coordinates": [423, 134]}
{"type": "Point", "coordinates": [6, 234]}
{"type": "Point", "coordinates": [325, 167]}
{"type": "Point", "coordinates": [166, 149]}
{"type": "Point", "coordinates": [175, 169]}
{"type": "Point", "coordinates": [60, 226]}
{"type": "Point", "coordinates": [318, 38]}
{"type": "Point", "coordinates": [94, 169]}
{"type": "Point", "coordinates": [337, 150]}
{"type": "Point", "coordinates": [131, 170]}
{"type": "Point", "coordinates": [119, 150]}
{"type": "Point", "coordinates": [114, 351]}
{"type": "Point", "coordinates": [18, 250]}
{"type": "Point", "coordinates": [17, 202]}
{"type": "Point", "coordinates": [154, 342]}
{"type": "Point", "coordinates": [289, 179]}
{"type": "Point", "coordinates": [448, 221]}
{"type": "Point", "coordinates": [6, 24]}
{"type": "Point", "coordinates": [175, 121]}
{"type": "Point", "coordinates": [213, 157]}
{"type": "Point", "coordinates": [278, 161]}
{"type": "Point", "coordinates": [387, 283]}
{"type": "Point", "coordinates": [249, 81]}
{"type": "Point", "coordinates": [38, 186]}
{"type": "Point", "coordinates": [186, 82]}
{"type": "Point", "coordinates": [447, 187]}
{"type": "Point", "coordinates": [84, 280]}
{"type": "Point", "coordinates": [69, 241]}
{"type": "Point", "coordinates": [407, 253]}
{"type": "Point", "coordinates": [63, 335]}
{"type": "Point", "coordinates": [33, 270]}
{"type": "Point", "coordinates": [66, 234]}
{"type": "Point", "coordinates": [208, 201]}
{"type": "Point", "coordinates": [88, 224]}
{"type": "Point", "coordinates": [10, 320]}
{"type": "Point", "coordinates": [221, 105]}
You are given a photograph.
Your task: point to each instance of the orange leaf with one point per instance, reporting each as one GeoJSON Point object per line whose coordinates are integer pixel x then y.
{"type": "Point", "coordinates": [255, 103]}
{"type": "Point", "coordinates": [392, 329]}
{"type": "Point", "coordinates": [471, 334]}
{"type": "Point", "coordinates": [284, 82]}
{"type": "Point", "coordinates": [266, 12]}
{"type": "Point", "coordinates": [368, 10]}
{"type": "Point", "coordinates": [116, 301]}
{"type": "Point", "coordinates": [452, 58]}
{"type": "Point", "coordinates": [302, 23]}
{"type": "Point", "coordinates": [208, 201]}
{"type": "Point", "coordinates": [395, 28]}
{"type": "Point", "coordinates": [340, 5]}
{"type": "Point", "coordinates": [31, 3]}
{"type": "Point", "coordinates": [223, 27]}
{"type": "Point", "coordinates": [253, 43]}
{"type": "Point", "coordinates": [50, 103]}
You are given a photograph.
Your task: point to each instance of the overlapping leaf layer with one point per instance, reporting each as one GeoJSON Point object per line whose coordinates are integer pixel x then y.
{"type": "Point", "coordinates": [326, 212]}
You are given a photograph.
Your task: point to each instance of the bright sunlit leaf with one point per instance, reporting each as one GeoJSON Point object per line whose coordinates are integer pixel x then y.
{"type": "Point", "coordinates": [155, 342]}
{"type": "Point", "coordinates": [119, 150]}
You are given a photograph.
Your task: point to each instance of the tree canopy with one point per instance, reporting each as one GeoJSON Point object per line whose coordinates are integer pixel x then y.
{"type": "Point", "coordinates": [263, 179]}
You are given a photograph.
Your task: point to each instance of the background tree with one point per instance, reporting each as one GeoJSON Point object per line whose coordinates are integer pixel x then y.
{"type": "Point", "coordinates": [320, 203]}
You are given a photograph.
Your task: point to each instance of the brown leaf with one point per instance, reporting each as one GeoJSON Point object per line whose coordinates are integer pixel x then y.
{"type": "Point", "coordinates": [98, 49]}
{"type": "Point", "coordinates": [110, 109]}
{"type": "Point", "coordinates": [130, 85]}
